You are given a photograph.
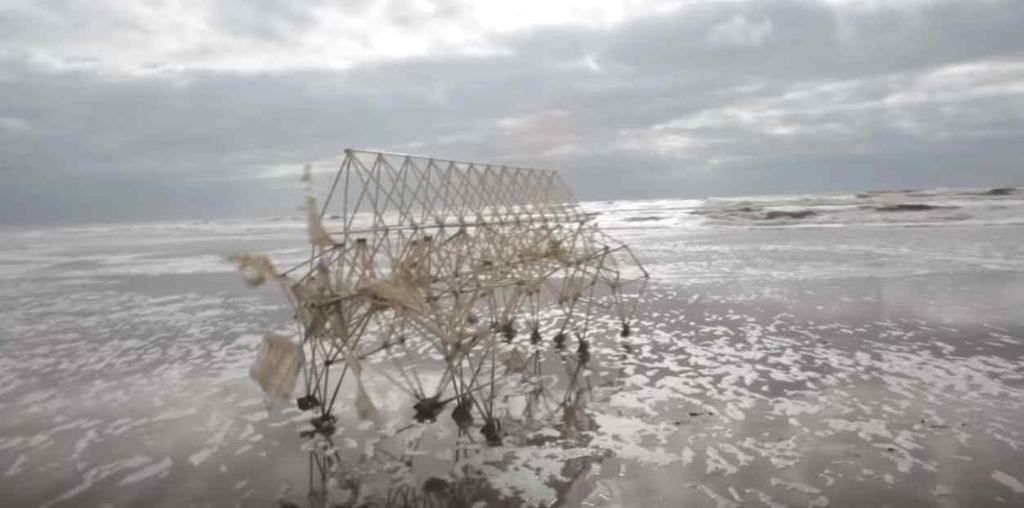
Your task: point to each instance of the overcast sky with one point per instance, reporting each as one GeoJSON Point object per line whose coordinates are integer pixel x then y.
{"type": "Point", "coordinates": [158, 109]}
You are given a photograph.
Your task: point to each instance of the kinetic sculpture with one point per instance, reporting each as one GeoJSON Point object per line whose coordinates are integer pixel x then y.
{"type": "Point", "coordinates": [452, 281]}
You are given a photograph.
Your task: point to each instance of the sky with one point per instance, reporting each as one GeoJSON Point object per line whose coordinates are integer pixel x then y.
{"type": "Point", "coordinates": [139, 110]}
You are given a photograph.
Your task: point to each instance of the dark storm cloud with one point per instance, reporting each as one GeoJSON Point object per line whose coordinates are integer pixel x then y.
{"type": "Point", "coordinates": [716, 98]}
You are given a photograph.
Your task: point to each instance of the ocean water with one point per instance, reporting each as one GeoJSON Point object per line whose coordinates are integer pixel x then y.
{"type": "Point", "coordinates": [820, 350]}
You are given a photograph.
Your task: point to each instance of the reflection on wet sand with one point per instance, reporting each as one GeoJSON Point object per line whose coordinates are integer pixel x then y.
{"type": "Point", "coordinates": [457, 461]}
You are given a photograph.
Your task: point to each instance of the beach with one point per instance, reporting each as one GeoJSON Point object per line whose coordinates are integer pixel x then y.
{"type": "Point", "coordinates": [820, 350]}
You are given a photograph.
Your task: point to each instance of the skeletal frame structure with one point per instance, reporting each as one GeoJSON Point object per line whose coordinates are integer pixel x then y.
{"type": "Point", "coordinates": [450, 279]}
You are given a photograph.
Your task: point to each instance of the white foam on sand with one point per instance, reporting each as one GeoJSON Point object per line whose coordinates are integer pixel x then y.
{"type": "Point", "coordinates": [18, 466]}
{"type": "Point", "coordinates": [95, 475]}
{"type": "Point", "coordinates": [1012, 483]}
{"type": "Point", "coordinates": [157, 469]}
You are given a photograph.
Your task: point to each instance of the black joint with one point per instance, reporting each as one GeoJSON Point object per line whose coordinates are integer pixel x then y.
{"type": "Point", "coordinates": [535, 336]}
{"type": "Point", "coordinates": [584, 351]}
{"type": "Point", "coordinates": [492, 432]}
{"type": "Point", "coordinates": [427, 409]}
{"type": "Point", "coordinates": [508, 330]}
{"type": "Point", "coordinates": [308, 402]}
{"type": "Point", "coordinates": [463, 414]}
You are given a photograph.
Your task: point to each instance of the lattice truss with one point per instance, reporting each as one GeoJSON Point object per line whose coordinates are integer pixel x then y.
{"type": "Point", "coordinates": [453, 281]}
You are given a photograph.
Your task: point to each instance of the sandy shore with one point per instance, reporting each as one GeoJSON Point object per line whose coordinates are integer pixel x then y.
{"type": "Point", "coordinates": [826, 367]}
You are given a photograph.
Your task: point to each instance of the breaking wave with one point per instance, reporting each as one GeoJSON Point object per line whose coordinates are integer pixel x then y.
{"type": "Point", "coordinates": [898, 208]}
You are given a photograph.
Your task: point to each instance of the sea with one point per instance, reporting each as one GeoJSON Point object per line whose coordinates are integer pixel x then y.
{"type": "Point", "coordinates": [856, 349]}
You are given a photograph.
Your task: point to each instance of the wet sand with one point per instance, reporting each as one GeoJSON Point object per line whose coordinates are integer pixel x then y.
{"type": "Point", "coordinates": [772, 367]}
{"type": "Point", "coordinates": [854, 392]}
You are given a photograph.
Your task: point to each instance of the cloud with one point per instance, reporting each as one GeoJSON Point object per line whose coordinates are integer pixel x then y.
{"type": "Point", "coordinates": [740, 31]}
{"type": "Point", "coordinates": [259, 35]}
{"type": "Point", "coordinates": [13, 126]}
{"type": "Point", "coordinates": [659, 99]}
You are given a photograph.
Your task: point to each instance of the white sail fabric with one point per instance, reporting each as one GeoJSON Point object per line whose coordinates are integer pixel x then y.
{"type": "Point", "coordinates": [277, 366]}
{"type": "Point", "coordinates": [314, 227]}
